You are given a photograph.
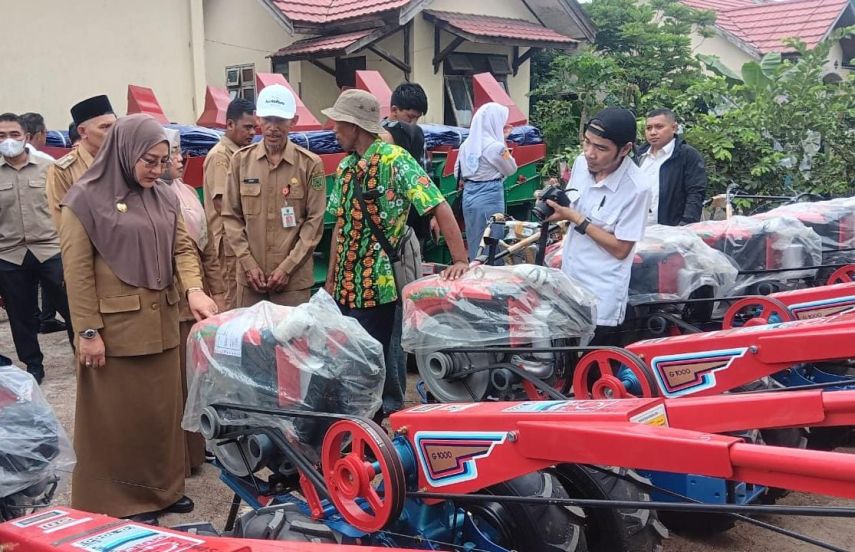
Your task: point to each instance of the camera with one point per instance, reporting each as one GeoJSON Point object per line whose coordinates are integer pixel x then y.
{"type": "Point", "coordinates": [543, 211]}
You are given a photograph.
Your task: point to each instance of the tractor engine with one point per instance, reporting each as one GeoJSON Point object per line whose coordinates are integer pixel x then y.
{"type": "Point", "coordinates": [35, 453]}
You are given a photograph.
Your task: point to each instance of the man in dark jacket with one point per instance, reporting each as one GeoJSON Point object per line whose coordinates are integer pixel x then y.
{"type": "Point", "coordinates": [675, 170]}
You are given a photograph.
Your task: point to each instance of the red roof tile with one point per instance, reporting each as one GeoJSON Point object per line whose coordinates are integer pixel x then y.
{"type": "Point", "coordinates": [763, 26]}
{"type": "Point", "coordinates": [322, 44]}
{"type": "Point", "coordinates": [499, 27]}
{"type": "Point", "coordinates": [327, 11]}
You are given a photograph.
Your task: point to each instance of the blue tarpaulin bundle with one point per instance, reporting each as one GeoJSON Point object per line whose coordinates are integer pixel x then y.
{"type": "Point", "coordinates": [58, 139]}
{"type": "Point", "coordinates": [197, 141]}
{"type": "Point", "coordinates": [442, 135]}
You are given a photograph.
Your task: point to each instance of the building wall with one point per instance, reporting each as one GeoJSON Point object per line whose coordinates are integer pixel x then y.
{"type": "Point", "coordinates": [238, 32]}
{"type": "Point", "coordinates": [422, 44]}
{"type": "Point", "coordinates": [96, 47]}
{"type": "Point", "coordinates": [730, 54]}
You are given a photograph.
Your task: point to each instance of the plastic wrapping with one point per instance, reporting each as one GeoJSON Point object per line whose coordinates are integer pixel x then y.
{"type": "Point", "coordinates": [673, 262]}
{"type": "Point", "coordinates": [763, 244]}
{"type": "Point", "coordinates": [35, 452]}
{"type": "Point", "coordinates": [309, 358]}
{"type": "Point", "coordinates": [494, 306]}
{"type": "Point", "coordinates": [833, 221]}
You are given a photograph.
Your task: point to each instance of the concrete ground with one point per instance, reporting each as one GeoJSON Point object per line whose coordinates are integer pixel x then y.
{"type": "Point", "coordinates": [213, 499]}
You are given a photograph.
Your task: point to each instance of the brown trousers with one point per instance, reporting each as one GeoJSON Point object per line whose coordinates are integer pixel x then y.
{"type": "Point", "coordinates": [248, 297]}
{"type": "Point", "coordinates": [194, 443]}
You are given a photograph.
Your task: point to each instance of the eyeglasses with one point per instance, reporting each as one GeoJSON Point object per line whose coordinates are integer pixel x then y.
{"type": "Point", "coordinates": [154, 163]}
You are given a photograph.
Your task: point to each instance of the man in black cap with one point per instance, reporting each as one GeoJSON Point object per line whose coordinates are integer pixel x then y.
{"type": "Point", "coordinates": [610, 199]}
{"type": "Point", "coordinates": [93, 119]}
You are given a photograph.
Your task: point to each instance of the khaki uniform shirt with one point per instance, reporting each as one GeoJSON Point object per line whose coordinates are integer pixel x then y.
{"type": "Point", "coordinates": [216, 169]}
{"type": "Point", "coordinates": [25, 222]}
{"type": "Point", "coordinates": [252, 212]}
{"type": "Point", "coordinates": [66, 171]}
{"type": "Point", "coordinates": [132, 321]}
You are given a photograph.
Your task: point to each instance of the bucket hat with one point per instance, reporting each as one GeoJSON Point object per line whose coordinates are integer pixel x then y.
{"type": "Point", "coordinates": [357, 107]}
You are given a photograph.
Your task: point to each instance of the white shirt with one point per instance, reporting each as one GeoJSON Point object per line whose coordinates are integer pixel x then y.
{"type": "Point", "coordinates": [31, 149]}
{"type": "Point", "coordinates": [496, 163]}
{"type": "Point", "coordinates": [618, 204]}
{"type": "Point", "coordinates": [651, 165]}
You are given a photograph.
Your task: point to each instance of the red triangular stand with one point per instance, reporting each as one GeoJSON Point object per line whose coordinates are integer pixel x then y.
{"type": "Point", "coordinates": [143, 100]}
{"type": "Point", "coordinates": [487, 89]}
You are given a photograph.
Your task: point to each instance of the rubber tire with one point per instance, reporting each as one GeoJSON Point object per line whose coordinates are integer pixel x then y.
{"type": "Point", "coordinates": [536, 528]}
{"type": "Point", "coordinates": [609, 530]}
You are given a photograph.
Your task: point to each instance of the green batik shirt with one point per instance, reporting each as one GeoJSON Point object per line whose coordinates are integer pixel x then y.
{"type": "Point", "coordinates": [363, 274]}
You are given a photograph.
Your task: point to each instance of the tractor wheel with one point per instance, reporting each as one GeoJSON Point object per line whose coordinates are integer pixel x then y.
{"type": "Point", "coordinates": [529, 527]}
{"type": "Point", "coordinates": [607, 530]}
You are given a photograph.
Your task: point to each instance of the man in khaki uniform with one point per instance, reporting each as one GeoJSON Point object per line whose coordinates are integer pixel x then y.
{"type": "Point", "coordinates": [274, 208]}
{"type": "Point", "coordinates": [240, 128]}
{"type": "Point", "coordinates": [29, 246]}
{"type": "Point", "coordinates": [93, 118]}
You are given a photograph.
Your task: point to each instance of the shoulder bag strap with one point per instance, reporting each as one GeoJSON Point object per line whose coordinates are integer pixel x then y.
{"type": "Point", "coordinates": [391, 252]}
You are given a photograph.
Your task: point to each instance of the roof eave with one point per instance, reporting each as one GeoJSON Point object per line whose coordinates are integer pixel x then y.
{"type": "Point", "coordinates": [277, 14]}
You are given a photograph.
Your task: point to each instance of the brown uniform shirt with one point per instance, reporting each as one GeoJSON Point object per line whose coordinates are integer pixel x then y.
{"type": "Point", "coordinates": [216, 169]}
{"type": "Point", "coordinates": [132, 321]}
{"type": "Point", "coordinates": [25, 222]}
{"type": "Point", "coordinates": [252, 212]}
{"type": "Point", "coordinates": [66, 171]}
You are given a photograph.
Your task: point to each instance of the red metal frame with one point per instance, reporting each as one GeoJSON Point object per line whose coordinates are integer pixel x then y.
{"type": "Point", "coordinates": [64, 529]}
{"type": "Point", "coordinates": [524, 155]}
{"type": "Point", "coordinates": [814, 302]}
{"type": "Point", "coordinates": [714, 362]}
{"type": "Point", "coordinates": [488, 443]}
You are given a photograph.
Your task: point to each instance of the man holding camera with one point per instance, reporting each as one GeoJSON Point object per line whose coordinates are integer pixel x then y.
{"type": "Point", "coordinates": [609, 198]}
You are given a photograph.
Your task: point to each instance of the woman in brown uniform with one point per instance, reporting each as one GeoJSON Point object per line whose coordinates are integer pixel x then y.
{"type": "Point", "coordinates": [124, 245]}
{"type": "Point", "coordinates": [212, 276]}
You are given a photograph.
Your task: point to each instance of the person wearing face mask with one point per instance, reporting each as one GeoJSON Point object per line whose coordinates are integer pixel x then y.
{"type": "Point", "coordinates": [93, 119]}
{"type": "Point", "coordinates": [273, 210]}
{"type": "Point", "coordinates": [485, 162]}
{"type": "Point", "coordinates": [212, 276]}
{"type": "Point", "coordinates": [29, 247]}
{"type": "Point", "coordinates": [128, 259]}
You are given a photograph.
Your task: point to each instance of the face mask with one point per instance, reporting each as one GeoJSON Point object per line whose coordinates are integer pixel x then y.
{"type": "Point", "coordinates": [11, 147]}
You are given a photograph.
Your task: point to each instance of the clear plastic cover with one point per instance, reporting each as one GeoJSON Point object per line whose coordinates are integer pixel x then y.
{"type": "Point", "coordinates": [494, 306]}
{"type": "Point", "coordinates": [673, 262]}
{"type": "Point", "coordinates": [832, 220]}
{"type": "Point", "coordinates": [34, 449]}
{"type": "Point", "coordinates": [762, 248]}
{"type": "Point", "coordinates": [309, 358]}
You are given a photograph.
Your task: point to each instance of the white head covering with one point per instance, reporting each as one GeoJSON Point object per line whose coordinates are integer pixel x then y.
{"type": "Point", "coordinates": [488, 126]}
{"type": "Point", "coordinates": [174, 137]}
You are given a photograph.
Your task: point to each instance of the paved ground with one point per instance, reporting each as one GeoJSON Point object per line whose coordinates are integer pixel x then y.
{"type": "Point", "coordinates": [213, 500]}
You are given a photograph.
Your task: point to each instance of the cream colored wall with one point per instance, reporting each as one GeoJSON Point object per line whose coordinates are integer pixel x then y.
{"type": "Point", "coordinates": [92, 47]}
{"type": "Point", "coordinates": [422, 44]}
{"type": "Point", "coordinates": [239, 32]}
{"type": "Point", "coordinates": [317, 88]}
{"type": "Point", "coordinates": [730, 54]}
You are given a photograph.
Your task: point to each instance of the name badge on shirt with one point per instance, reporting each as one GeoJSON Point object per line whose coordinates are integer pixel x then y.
{"type": "Point", "coordinates": [251, 181]}
{"type": "Point", "coordinates": [289, 218]}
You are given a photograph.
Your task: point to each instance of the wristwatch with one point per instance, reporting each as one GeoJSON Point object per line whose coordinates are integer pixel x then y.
{"type": "Point", "coordinates": [89, 333]}
{"type": "Point", "coordinates": [583, 226]}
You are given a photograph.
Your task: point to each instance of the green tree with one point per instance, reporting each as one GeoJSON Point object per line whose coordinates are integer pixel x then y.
{"type": "Point", "coordinates": [775, 127]}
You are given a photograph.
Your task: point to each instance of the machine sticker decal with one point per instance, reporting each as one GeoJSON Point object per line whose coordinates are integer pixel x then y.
{"type": "Point", "coordinates": [136, 538]}
{"type": "Point", "coordinates": [656, 416]}
{"type": "Point", "coordinates": [229, 339]}
{"type": "Point", "coordinates": [62, 523]}
{"type": "Point", "coordinates": [41, 517]}
{"type": "Point", "coordinates": [449, 457]}
{"type": "Point", "coordinates": [823, 308]}
{"type": "Point", "coordinates": [692, 372]}
{"type": "Point", "coordinates": [450, 407]}
{"type": "Point", "coordinates": [560, 406]}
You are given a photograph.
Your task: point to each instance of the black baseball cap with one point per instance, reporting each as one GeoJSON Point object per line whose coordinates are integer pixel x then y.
{"type": "Point", "coordinates": [614, 123]}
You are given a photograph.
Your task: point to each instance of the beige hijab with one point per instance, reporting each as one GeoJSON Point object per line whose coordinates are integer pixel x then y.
{"type": "Point", "coordinates": [131, 227]}
{"type": "Point", "coordinates": [191, 207]}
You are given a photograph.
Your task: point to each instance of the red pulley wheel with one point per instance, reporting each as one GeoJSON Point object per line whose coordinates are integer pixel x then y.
{"type": "Point", "coordinates": [762, 307]}
{"type": "Point", "coordinates": [366, 482]}
{"type": "Point", "coordinates": [842, 275]}
{"type": "Point", "coordinates": [612, 373]}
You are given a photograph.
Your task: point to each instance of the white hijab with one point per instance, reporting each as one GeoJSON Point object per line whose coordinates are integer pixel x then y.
{"type": "Point", "coordinates": [488, 126]}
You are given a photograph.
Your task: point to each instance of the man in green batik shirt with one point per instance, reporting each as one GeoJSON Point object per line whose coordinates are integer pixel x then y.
{"type": "Point", "coordinates": [360, 276]}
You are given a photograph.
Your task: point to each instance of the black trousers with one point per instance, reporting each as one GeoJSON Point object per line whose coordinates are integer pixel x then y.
{"type": "Point", "coordinates": [606, 336]}
{"type": "Point", "coordinates": [379, 322]}
{"type": "Point", "coordinates": [19, 287]}
{"type": "Point", "coordinates": [48, 311]}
